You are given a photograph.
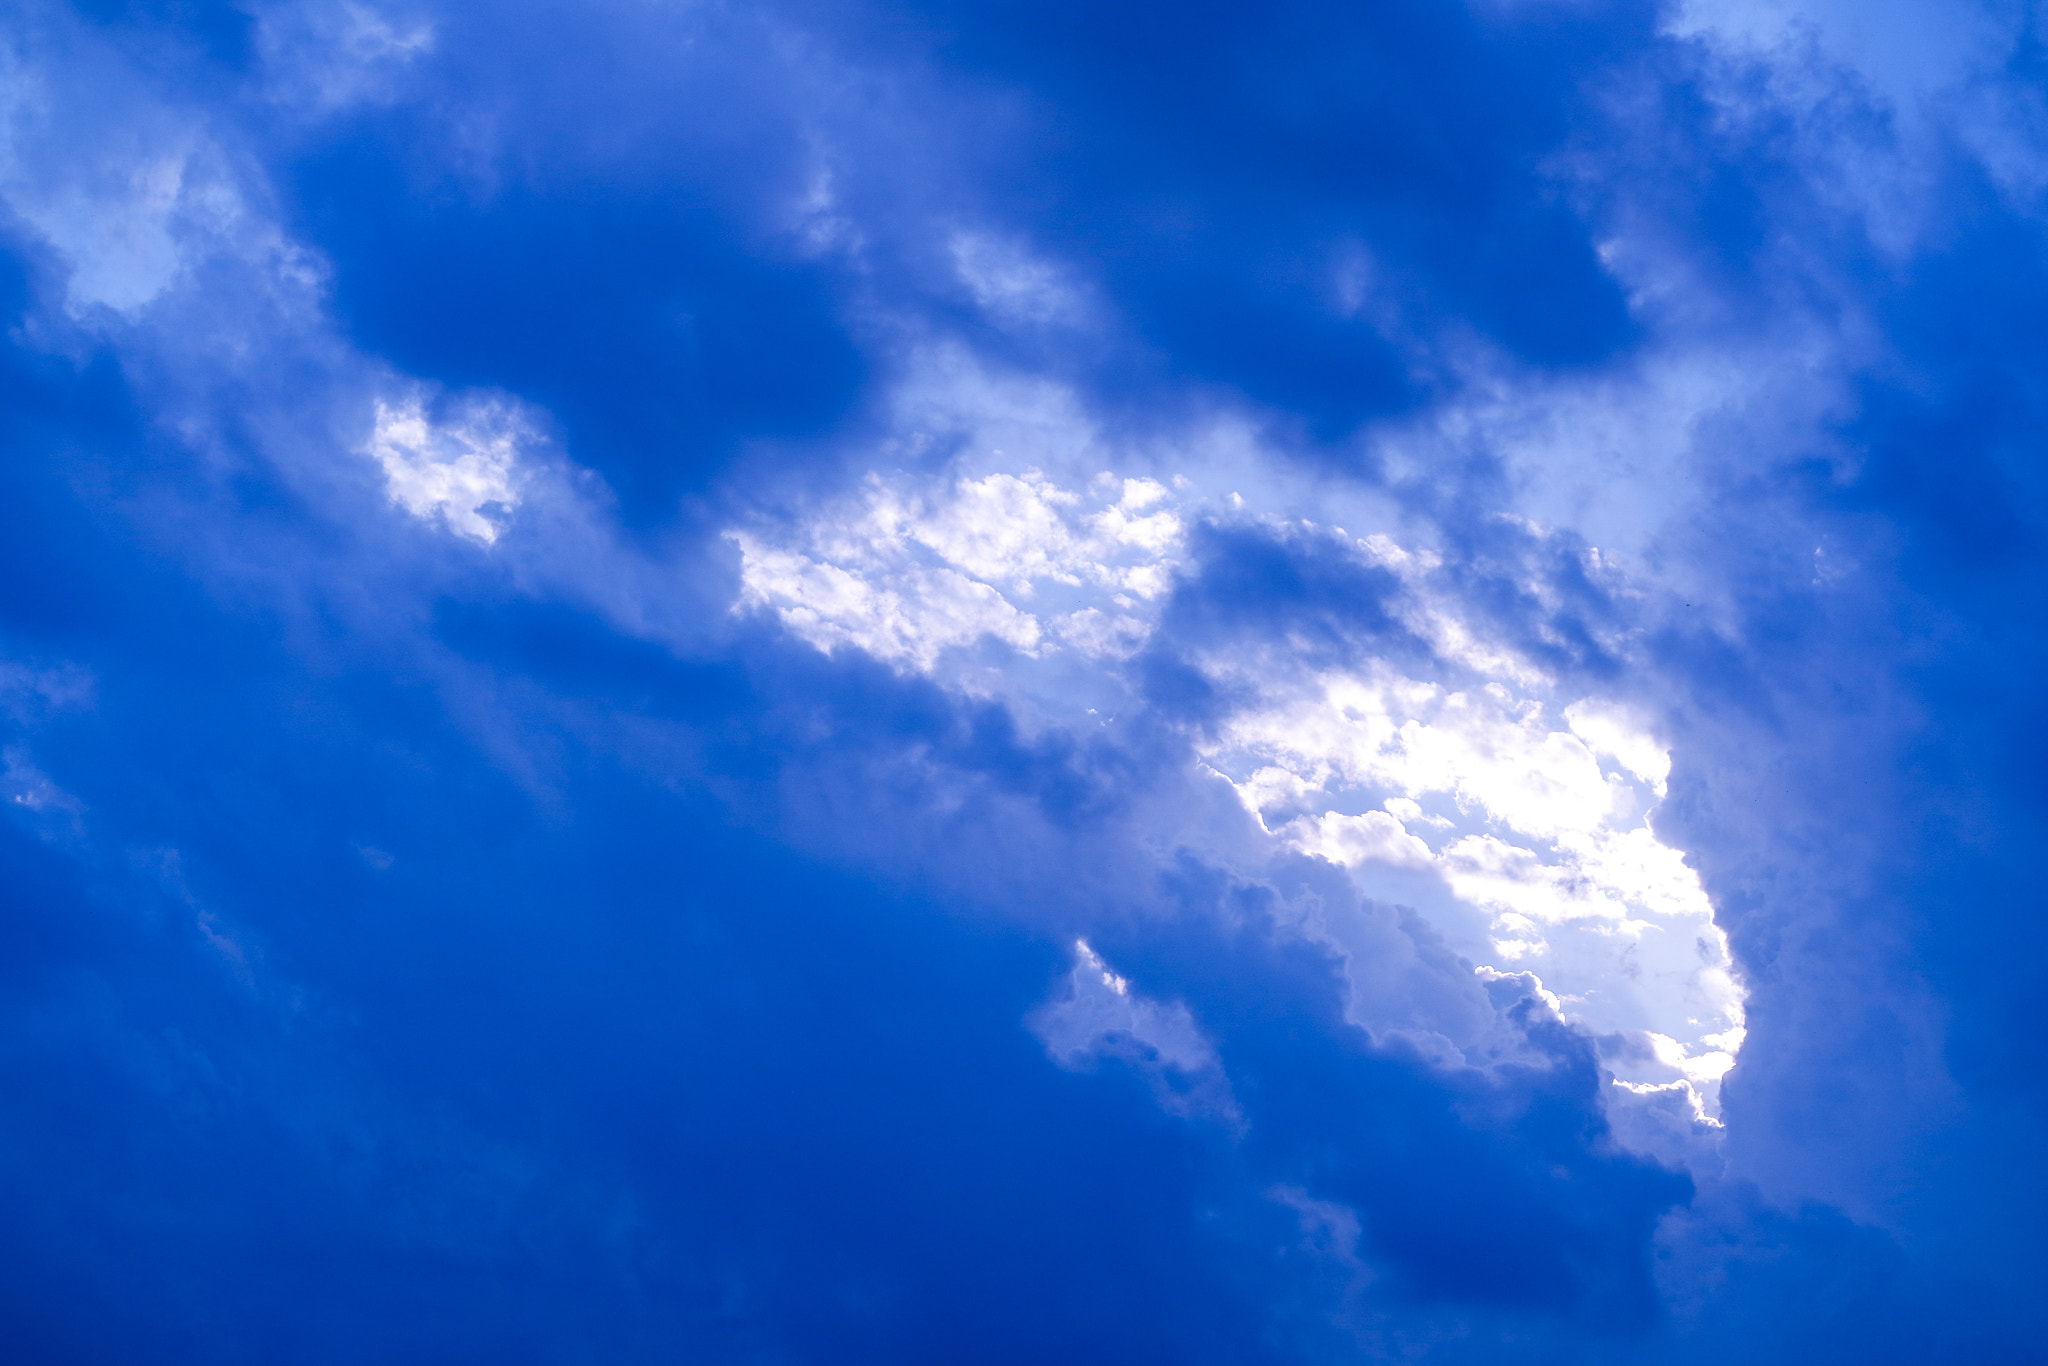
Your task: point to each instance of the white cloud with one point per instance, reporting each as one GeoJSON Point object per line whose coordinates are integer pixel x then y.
{"type": "Point", "coordinates": [1012, 558]}
{"type": "Point", "coordinates": [1374, 837]}
{"type": "Point", "coordinates": [1502, 798]}
{"type": "Point", "coordinates": [1610, 731]}
{"type": "Point", "coordinates": [465, 473]}
{"type": "Point", "coordinates": [1478, 793]}
{"type": "Point", "coordinates": [909, 614]}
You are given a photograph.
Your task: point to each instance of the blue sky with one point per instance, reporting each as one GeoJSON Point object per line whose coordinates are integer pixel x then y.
{"type": "Point", "coordinates": [899, 682]}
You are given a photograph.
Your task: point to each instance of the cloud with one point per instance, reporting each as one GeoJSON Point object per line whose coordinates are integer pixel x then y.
{"type": "Point", "coordinates": [1100, 1016]}
{"type": "Point", "coordinates": [1486, 805]}
{"type": "Point", "coordinates": [327, 57]}
{"type": "Point", "coordinates": [465, 473]}
{"type": "Point", "coordinates": [907, 574]}
{"type": "Point", "coordinates": [847, 686]}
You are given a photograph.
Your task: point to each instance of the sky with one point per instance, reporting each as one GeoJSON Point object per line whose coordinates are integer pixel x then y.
{"type": "Point", "coordinates": [913, 682]}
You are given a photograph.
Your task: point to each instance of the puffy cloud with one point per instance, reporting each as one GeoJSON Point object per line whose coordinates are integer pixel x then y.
{"type": "Point", "coordinates": [906, 575]}
{"type": "Point", "coordinates": [465, 472]}
{"type": "Point", "coordinates": [1486, 804]}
